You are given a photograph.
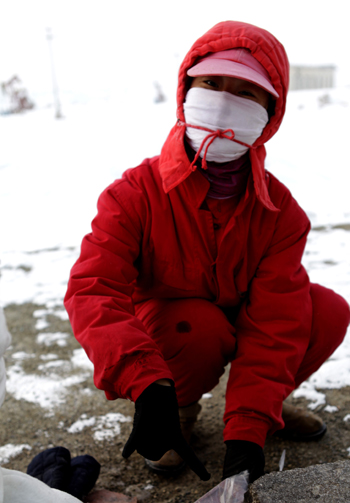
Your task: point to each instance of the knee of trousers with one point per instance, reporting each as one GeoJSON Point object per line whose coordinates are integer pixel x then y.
{"type": "Point", "coordinates": [194, 336]}
{"type": "Point", "coordinates": [331, 317]}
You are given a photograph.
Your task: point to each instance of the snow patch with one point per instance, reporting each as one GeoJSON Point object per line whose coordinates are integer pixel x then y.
{"type": "Point", "coordinates": [22, 355]}
{"type": "Point", "coordinates": [307, 390]}
{"type": "Point", "coordinates": [86, 391]}
{"type": "Point", "coordinates": [42, 313]}
{"type": "Point", "coordinates": [46, 391]}
{"type": "Point", "coordinates": [108, 426]}
{"type": "Point", "coordinates": [104, 427]}
{"type": "Point", "coordinates": [9, 451]}
{"type": "Point", "coordinates": [331, 409]}
{"type": "Point", "coordinates": [80, 359]}
{"type": "Point", "coordinates": [82, 423]}
{"type": "Point", "coordinates": [41, 324]}
{"type": "Point", "coordinates": [51, 338]}
{"type": "Point", "coordinates": [62, 364]}
{"type": "Point", "coordinates": [49, 356]}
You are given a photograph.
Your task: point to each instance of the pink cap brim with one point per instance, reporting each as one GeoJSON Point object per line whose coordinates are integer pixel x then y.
{"type": "Point", "coordinates": [227, 68]}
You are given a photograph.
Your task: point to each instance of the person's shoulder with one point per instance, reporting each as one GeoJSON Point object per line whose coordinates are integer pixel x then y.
{"type": "Point", "coordinates": [142, 175]}
{"type": "Point", "coordinates": [134, 191]}
{"type": "Point", "coordinates": [280, 194]}
{"type": "Point", "coordinates": [282, 198]}
{"type": "Point", "coordinates": [136, 181]}
{"type": "Point", "coordinates": [276, 187]}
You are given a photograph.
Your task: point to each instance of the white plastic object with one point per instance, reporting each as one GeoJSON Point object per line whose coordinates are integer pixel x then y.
{"type": "Point", "coordinates": [230, 490]}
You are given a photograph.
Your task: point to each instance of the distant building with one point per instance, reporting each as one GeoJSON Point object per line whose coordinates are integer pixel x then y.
{"type": "Point", "coordinates": [311, 77]}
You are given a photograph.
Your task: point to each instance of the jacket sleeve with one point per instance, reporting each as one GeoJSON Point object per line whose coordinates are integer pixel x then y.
{"type": "Point", "coordinates": [99, 297]}
{"type": "Point", "coordinates": [273, 332]}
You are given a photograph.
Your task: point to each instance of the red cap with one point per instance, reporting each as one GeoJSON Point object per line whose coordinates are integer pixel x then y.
{"type": "Point", "coordinates": [237, 63]}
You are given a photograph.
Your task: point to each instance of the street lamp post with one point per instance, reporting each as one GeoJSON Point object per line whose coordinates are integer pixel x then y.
{"type": "Point", "coordinates": [58, 113]}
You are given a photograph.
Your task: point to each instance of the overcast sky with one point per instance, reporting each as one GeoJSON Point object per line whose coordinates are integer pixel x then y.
{"type": "Point", "coordinates": [110, 45]}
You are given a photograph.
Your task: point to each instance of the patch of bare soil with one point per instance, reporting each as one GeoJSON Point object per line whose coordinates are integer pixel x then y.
{"type": "Point", "coordinates": [23, 422]}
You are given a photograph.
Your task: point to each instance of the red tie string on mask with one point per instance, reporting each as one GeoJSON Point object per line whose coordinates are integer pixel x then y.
{"type": "Point", "coordinates": [227, 133]}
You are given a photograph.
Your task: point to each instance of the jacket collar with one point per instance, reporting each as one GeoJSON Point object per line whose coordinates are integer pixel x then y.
{"type": "Point", "coordinates": [175, 168]}
{"type": "Point", "coordinates": [196, 187]}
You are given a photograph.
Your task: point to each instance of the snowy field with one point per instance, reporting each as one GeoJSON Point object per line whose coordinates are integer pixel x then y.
{"type": "Point", "coordinates": [52, 171]}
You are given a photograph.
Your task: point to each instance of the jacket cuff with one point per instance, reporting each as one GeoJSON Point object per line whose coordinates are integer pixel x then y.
{"type": "Point", "coordinates": [137, 377]}
{"type": "Point", "coordinates": [245, 428]}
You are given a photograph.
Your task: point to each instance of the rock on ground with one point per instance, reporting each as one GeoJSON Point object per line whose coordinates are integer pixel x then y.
{"type": "Point", "coordinates": [320, 483]}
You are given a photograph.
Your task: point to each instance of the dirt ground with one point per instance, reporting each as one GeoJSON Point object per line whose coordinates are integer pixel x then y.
{"type": "Point", "coordinates": [22, 422]}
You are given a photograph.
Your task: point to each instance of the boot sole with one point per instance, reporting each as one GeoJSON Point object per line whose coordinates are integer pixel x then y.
{"type": "Point", "coordinates": [292, 435]}
{"type": "Point", "coordinates": [165, 470]}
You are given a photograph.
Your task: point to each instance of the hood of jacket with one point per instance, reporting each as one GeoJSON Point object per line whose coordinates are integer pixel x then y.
{"type": "Point", "coordinates": [174, 164]}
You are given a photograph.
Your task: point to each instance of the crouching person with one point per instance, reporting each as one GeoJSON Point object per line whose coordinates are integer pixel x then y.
{"type": "Point", "coordinates": [194, 262]}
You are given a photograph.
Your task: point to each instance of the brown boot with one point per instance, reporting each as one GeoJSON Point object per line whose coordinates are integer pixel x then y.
{"type": "Point", "coordinates": [171, 463]}
{"type": "Point", "coordinates": [300, 425]}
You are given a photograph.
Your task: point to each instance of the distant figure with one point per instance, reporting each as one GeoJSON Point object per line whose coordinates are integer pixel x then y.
{"type": "Point", "coordinates": [160, 97]}
{"type": "Point", "coordinates": [194, 262]}
{"type": "Point", "coordinates": [17, 96]}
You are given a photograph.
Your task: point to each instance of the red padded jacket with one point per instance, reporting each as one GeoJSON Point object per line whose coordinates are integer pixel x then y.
{"type": "Point", "coordinates": [151, 238]}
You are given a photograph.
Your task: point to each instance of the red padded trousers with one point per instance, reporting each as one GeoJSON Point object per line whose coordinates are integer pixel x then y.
{"type": "Point", "coordinates": [197, 340]}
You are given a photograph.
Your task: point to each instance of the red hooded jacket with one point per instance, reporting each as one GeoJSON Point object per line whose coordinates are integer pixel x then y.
{"type": "Point", "coordinates": [151, 239]}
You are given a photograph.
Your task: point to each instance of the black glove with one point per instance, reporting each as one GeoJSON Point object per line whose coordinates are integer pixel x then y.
{"type": "Point", "coordinates": [156, 428]}
{"type": "Point", "coordinates": [243, 455]}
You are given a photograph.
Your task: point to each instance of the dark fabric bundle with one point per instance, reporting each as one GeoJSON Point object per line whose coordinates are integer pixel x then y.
{"type": "Point", "coordinates": [56, 469]}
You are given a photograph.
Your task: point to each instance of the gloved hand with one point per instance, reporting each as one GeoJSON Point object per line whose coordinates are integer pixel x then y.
{"type": "Point", "coordinates": [243, 455]}
{"type": "Point", "coordinates": [156, 428]}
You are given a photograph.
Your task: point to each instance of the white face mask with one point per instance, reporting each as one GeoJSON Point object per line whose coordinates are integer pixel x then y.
{"type": "Point", "coordinates": [219, 110]}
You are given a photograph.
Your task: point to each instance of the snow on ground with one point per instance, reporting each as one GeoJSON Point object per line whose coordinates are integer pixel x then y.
{"type": "Point", "coordinates": [104, 427]}
{"type": "Point", "coordinates": [52, 171]}
{"type": "Point", "coordinates": [48, 391]}
{"type": "Point", "coordinates": [10, 451]}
